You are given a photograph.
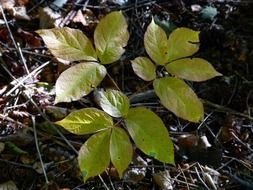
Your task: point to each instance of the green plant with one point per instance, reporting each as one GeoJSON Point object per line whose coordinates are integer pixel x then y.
{"type": "Point", "coordinates": [110, 38]}
{"type": "Point", "coordinates": [110, 141]}
{"type": "Point", "coordinates": [173, 53]}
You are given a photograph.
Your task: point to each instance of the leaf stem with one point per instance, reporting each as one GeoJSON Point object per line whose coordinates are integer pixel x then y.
{"type": "Point", "coordinates": [114, 83]}
{"type": "Point", "coordinates": [38, 149]}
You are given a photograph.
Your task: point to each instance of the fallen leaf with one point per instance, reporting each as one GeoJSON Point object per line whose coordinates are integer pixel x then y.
{"type": "Point", "coordinates": [49, 18]}
{"type": "Point", "coordinates": [163, 180]}
{"type": "Point", "coordinates": [9, 185]}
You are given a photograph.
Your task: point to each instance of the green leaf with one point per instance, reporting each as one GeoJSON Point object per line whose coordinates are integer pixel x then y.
{"type": "Point", "coordinates": [78, 81]}
{"type": "Point", "coordinates": [12, 147]}
{"type": "Point", "coordinates": [113, 102]}
{"type": "Point", "coordinates": [110, 37]}
{"type": "Point", "coordinates": [195, 69]}
{"type": "Point", "coordinates": [86, 121]}
{"type": "Point", "coordinates": [179, 98]}
{"type": "Point", "coordinates": [144, 68]}
{"type": "Point", "coordinates": [94, 155]}
{"type": "Point", "coordinates": [149, 134]}
{"type": "Point", "coordinates": [183, 42]}
{"type": "Point", "coordinates": [121, 150]}
{"type": "Point", "coordinates": [68, 44]}
{"type": "Point", "coordinates": [156, 43]}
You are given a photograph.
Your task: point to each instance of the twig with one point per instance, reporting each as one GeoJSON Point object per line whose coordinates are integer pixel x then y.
{"type": "Point", "coordinates": [72, 13]}
{"type": "Point", "coordinates": [7, 118]}
{"type": "Point", "coordinates": [13, 40]}
{"type": "Point", "coordinates": [112, 80]}
{"type": "Point", "coordinates": [106, 187]}
{"type": "Point", "coordinates": [135, 98]}
{"type": "Point", "coordinates": [23, 59]}
{"type": "Point", "coordinates": [38, 149]}
{"type": "Point", "coordinates": [204, 120]}
{"type": "Point", "coordinates": [8, 27]}
{"type": "Point", "coordinates": [242, 143]}
{"type": "Point", "coordinates": [39, 110]}
{"type": "Point", "coordinates": [220, 108]}
{"type": "Point", "coordinates": [51, 124]}
{"type": "Point", "coordinates": [16, 164]}
{"type": "Point", "coordinates": [110, 180]}
{"type": "Point", "coordinates": [21, 82]}
{"type": "Point", "coordinates": [201, 178]}
{"type": "Point", "coordinates": [184, 177]}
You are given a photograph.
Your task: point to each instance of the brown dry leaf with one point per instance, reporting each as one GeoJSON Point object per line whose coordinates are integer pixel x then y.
{"type": "Point", "coordinates": [80, 18]}
{"type": "Point", "coordinates": [187, 141]}
{"type": "Point", "coordinates": [87, 18]}
{"type": "Point", "coordinates": [49, 18]}
{"type": "Point", "coordinates": [19, 12]}
{"type": "Point", "coordinates": [4, 36]}
{"type": "Point", "coordinates": [163, 180]}
{"type": "Point", "coordinates": [7, 4]}
{"type": "Point", "coordinates": [30, 38]}
{"type": "Point", "coordinates": [134, 175]}
{"type": "Point", "coordinates": [226, 134]}
{"type": "Point", "coordinates": [22, 2]}
{"type": "Point", "coordinates": [27, 159]}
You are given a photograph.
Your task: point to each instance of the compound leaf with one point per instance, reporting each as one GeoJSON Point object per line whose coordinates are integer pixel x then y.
{"type": "Point", "coordinates": [156, 43]}
{"type": "Point", "coordinates": [150, 134]}
{"type": "Point", "coordinates": [120, 150]}
{"type": "Point", "coordinates": [144, 68]}
{"type": "Point", "coordinates": [94, 155]}
{"type": "Point", "coordinates": [183, 42]}
{"type": "Point", "coordinates": [113, 102]}
{"type": "Point", "coordinates": [195, 69]}
{"type": "Point", "coordinates": [78, 81]}
{"type": "Point", "coordinates": [86, 121]}
{"type": "Point", "coordinates": [179, 98]}
{"type": "Point", "coordinates": [68, 44]}
{"type": "Point", "coordinates": [110, 37]}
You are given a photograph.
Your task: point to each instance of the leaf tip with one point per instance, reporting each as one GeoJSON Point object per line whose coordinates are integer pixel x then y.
{"type": "Point", "coordinates": [57, 100]}
{"type": "Point", "coordinates": [85, 176]}
{"type": "Point", "coordinates": [39, 32]}
{"type": "Point", "coordinates": [219, 74]}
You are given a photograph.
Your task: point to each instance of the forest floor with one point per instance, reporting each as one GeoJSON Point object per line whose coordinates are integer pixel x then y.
{"type": "Point", "coordinates": [214, 154]}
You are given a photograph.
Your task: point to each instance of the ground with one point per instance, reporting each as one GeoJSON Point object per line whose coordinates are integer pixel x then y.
{"type": "Point", "coordinates": [216, 153]}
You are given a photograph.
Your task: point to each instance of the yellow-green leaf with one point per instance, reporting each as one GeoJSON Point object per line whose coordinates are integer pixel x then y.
{"type": "Point", "coordinates": [78, 81]}
{"type": "Point", "coordinates": [120, 150]}
{"type": "Point", "coordinates": [150, 134]}
{"type": "Point", "coordinates": [113, 102]}
{"type": "Point", "coordinates": [94, 155]}
{"type": "Point", "coordinates": [68, 44]}
{"type": "Point", "coordinates": [156, 43]}
{"type": "Point", "coordinates": [183, 42]}
{"type": "Point", "coordinates": [144, 68]}
{"type": "Point", "coordinates": [110, 37]}
{"type": "Point", "coordinates": [86, 121]}
{"type": "Point", "coordinates": [179, 98]}
{"type": "Point", "coordinates": [195, 69]}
